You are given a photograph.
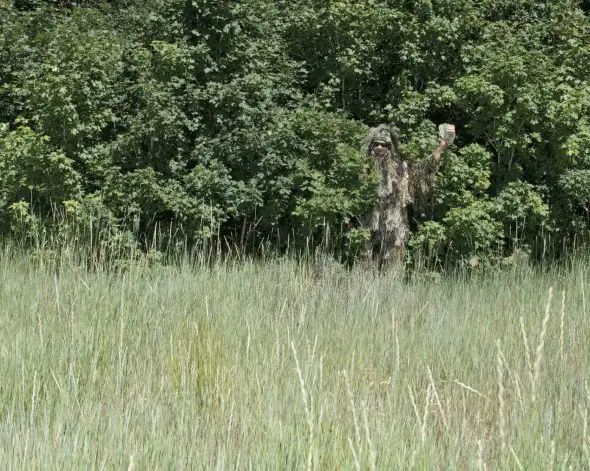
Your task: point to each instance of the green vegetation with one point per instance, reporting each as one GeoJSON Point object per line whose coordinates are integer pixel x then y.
{"type": "Point", "coordinates": [283, 366]}
{"type": "Point", "coordinates": [136, 132]}
{"type": "Point", "coordinates": [245, 120]}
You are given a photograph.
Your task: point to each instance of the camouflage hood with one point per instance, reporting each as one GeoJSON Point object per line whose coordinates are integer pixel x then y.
{"type": "Point", "coordinates": [384, 133]}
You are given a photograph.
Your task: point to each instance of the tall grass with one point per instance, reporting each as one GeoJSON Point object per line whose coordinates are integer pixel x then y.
{"type": "Point", "coordinates": [274, 365]}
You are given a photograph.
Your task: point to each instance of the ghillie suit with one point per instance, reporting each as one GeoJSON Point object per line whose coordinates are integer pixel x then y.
{"type": "Point", "coordinates": [401, 184]}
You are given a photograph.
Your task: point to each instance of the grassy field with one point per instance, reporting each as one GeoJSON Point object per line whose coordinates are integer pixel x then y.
{"type": "Point", "coordinates": [268, 365]}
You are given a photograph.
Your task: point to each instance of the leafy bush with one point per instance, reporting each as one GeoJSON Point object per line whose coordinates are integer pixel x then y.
{"type": "Point", "coordinates": [245, 121]}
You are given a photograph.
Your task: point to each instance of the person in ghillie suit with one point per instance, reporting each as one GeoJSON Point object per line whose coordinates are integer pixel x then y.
{"type": "Point", "coordinates": [401, 184]}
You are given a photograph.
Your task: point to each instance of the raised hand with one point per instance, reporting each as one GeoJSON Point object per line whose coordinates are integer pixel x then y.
{"type": "Point", "coordinates": [446, 133]}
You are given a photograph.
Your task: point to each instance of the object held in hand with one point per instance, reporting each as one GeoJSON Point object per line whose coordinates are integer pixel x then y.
{"type": "Point", "coordinates": [447, 132]}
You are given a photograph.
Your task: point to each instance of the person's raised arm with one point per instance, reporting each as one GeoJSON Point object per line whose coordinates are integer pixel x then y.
{"type": "Point", "coordinates": [435, 157]}
{"type": "Point", "coordinates": [446, 133]}
{"type": "Point", "coordinates": [425, 171]}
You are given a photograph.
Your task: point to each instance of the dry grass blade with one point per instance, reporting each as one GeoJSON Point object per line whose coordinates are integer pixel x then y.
{"type": "Point", "coordinates": [469, 388]}
{"type": "Point", "coordinates": [438, 403]}
{"type": "Point", "coordinates": [562, 327]}
{"type": "Point", "coordinates": [357, 431]}
{"type": "Point", "coordinates": [527, 350]}
{"type": "Point", "coordinates": [415, 406]}
{"type": "Point", "coordinates": [541, 344]}
{"type": "Point", "coordinates": [501, 404]}
{"type": "Point", "coordinates": [308, 411]}
{"type": "Point", "coordinates": [372, 452]}
{"type": "Point", "coordinates": [516, 459]}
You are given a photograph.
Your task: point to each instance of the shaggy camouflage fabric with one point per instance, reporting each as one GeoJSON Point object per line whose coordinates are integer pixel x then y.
{"type": "Point", "coordinates": [401, 185]}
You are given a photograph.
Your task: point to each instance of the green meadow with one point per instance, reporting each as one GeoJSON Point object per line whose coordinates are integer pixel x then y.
{"type": "Point", "coordinates": [281, 365]}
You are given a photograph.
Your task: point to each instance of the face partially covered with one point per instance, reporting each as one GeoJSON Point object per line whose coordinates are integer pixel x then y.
{"type": "Point", "coordinates": [382, 143]}
{"type": "Point", "coordinates": [381, 148]}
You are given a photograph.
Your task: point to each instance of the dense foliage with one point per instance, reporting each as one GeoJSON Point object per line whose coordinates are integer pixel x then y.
{"type": "Point", "coordinates": [244, 122]}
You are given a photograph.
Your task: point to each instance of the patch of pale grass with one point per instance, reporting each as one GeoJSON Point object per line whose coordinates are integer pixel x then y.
{"type": "Point", "coordinates": [269, 365]}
